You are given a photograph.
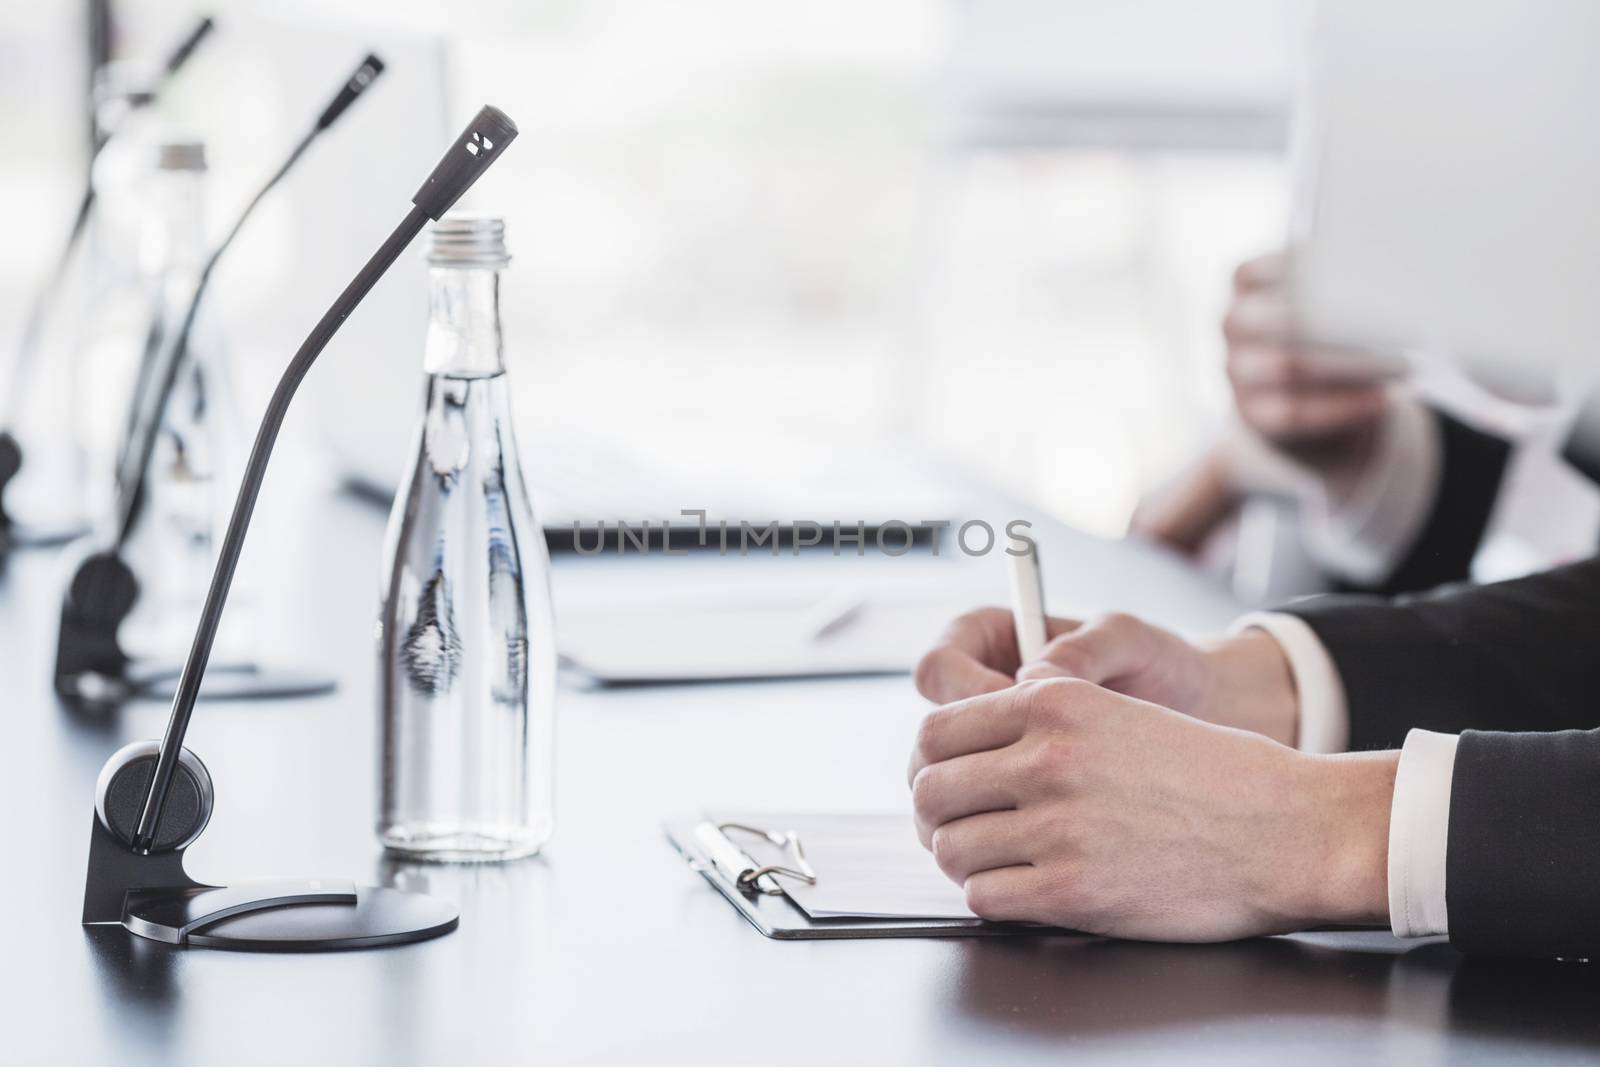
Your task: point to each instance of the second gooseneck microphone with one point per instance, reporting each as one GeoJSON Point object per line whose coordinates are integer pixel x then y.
{"type": "Point", "coordinates": [23, 364]}
{"type": "Point", "coordinates": [163, 364]}
{"type": "Point", "coordinates": [103, 589]}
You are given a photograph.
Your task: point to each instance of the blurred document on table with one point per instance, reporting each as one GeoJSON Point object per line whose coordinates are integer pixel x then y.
{"type": "Point", "coordinates": [674, 641]}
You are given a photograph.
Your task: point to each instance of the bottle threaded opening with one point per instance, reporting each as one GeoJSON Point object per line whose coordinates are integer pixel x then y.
{"type": "Point", "coordinates": [468, 241]}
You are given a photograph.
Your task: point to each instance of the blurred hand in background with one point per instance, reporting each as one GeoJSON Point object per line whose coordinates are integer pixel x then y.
{"type": "Point", "coordinates": [1319, 408]}
{"type": "Point", "coordinates": [1322, 407]}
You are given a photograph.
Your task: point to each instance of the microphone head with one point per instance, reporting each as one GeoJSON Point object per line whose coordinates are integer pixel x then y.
{"type": "Point", "coordinates": [479, 145]}
{"type": "Point", "coordinates": [365, 75]}
{"type": "Point", "coordinates": [181, 54]}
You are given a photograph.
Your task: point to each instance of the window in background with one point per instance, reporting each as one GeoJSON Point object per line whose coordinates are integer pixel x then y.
{"type": "Point", "coordinates": [1069, 344]}
{"type": "Point", "coordinates": [1104, 167]}
{"type": "Point", "coordinates": [999, 229]}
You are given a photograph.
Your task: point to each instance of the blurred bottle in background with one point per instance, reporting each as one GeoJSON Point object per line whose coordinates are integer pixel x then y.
{"type": "Point", "coordinates": [190, 474]}
{"type": "Point", "coordinates": [123, 270]}
{"type": "Point", "coordinates": [68, 402]}
{"type": "Point", "coordinates": [466, 640]}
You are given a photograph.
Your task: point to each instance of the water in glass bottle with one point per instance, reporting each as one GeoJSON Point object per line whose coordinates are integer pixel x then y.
{"type": "Point", "coordinates": [465, 635]}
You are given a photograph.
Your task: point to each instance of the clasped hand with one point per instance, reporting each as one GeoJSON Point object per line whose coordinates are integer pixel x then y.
{"type": "Point", "coordinates": [1134, 785]}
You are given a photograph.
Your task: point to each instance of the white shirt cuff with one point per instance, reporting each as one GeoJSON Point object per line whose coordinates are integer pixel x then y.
{"type": "Point", "coordinates": [1419, 832]}
{"type": "Point", "coordinates": [1363, 536]}
{"type": "Point", "coordinates": [1324, 723]}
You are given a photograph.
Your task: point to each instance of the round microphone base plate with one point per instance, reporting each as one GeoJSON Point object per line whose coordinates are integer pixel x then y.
{"type": "Point", "coordinates": [21, 535]}
{"type": "Point", "coordinates": [302, 915]}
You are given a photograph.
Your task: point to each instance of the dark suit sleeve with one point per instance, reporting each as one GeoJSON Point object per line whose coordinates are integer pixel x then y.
{"type": "Point", "coordinates": [1518, 655]}
{"type": "Point", "coordinates": [1472, 466]}
{"type": "Point", "coordinates": [1522, 870]}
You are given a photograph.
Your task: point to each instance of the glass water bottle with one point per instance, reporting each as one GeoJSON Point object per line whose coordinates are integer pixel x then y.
{"type": "Point", "coordinates": [465, 636]}
{"type": "Point", "coordinates": [147, 214]}
{"type": "Point", "coordinates": [197, 446]}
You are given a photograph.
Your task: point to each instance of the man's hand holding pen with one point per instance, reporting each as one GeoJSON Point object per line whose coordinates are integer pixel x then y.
{"type": "Point", "coordinates": [1129, 783]}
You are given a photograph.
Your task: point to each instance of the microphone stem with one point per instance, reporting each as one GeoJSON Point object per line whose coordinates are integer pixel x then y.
{"type": "Point", "coordinates": [141, 443]}
{"type": "Point", "coordinates": [194, 667]}
{"type": "Point", "coordinates": [23, 364]}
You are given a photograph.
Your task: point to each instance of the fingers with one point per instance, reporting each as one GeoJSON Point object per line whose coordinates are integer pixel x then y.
{"type": "Point", "coordinates": [1256, 317]}
{"type": "Point", "coordinates": [1262, 272]}
{"type": "Point", "coordinates": [978, 724]}
{"type": "Point", "coordinates": [977, 654]}
{"type": "Point", "coordinates": [1104, 649]}
{"type": "Point", "coordinates": [961, 787]}
{"type": "Point", "coordinates": [983, 842]}
{"type": "Point", "coordinates": [1287, 392]}
{"type": "Point", "coordinates": [1264, 365]}
{"type": "Point", "coordinates": [1008, 894]}
{"type": "Point", "coordinates": [1183, 513]}
{"type": "Point", "coordinates": [1268, 363]}
{"type": "Point", "coordinates": [1295, 415]}
{"type": "Point", "coordinates": [947, 674]}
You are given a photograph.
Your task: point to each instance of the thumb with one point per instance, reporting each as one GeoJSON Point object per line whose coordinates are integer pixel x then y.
{"type": "Point", "coordinates": [1098, 651]}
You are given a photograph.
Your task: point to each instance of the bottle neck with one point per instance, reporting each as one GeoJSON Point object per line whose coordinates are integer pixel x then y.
{"type": "Point", "coordinates": [464, 339]}
{"type": "Point", "coordinates": [175, 244]}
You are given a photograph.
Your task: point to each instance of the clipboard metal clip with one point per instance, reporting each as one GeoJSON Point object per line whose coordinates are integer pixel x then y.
{"type": "Point", "coordinates": [745, 873]}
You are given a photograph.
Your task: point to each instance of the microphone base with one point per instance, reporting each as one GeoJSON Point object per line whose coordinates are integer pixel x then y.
{"type": "Point", "coordinates": [304, 915]}
{"type": "Point", "coordinates": [142, 680]}
{"type": "Point", "coordinates": [228, 681]}
{"type": "Point", "coordinates": [22, 535]}
{"type": "Point", "coordinates": [92, 671]}
{"type": "Point", "coordinates": [153, 898]}
{"type": "Point", "coordinates": [16, 533]}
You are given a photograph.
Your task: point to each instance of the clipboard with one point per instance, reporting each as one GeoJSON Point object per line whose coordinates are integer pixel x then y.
{"type": "Point", "coordinates": [756, 890]}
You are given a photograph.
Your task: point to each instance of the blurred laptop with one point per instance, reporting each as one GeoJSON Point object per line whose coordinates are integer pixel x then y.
{"type": "Point", "coordinates": [1447, 162]}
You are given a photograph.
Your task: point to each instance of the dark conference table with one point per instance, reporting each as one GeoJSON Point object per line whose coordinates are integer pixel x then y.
{"type": "Point", "coordinates": [608, 949]}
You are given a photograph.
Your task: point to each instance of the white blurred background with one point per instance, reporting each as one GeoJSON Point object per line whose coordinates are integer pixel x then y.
{"type": "Point", "coordinates": [999, 232]}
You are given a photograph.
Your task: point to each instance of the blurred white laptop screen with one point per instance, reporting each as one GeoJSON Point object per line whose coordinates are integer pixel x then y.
{"type": "Point", "coordinates": [1446, 184]}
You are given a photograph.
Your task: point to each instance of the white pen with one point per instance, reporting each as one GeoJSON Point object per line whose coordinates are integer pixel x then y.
{"type": "Point", "coordinates": [1027, 603]}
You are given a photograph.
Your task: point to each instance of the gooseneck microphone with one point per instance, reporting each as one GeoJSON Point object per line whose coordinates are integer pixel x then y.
{"type": "Point", "coordinates": [104, 589]}
{"type": "Point", "coordinates": [180, 55]}
{"type": "Point", "coordinates": [139, 446]}
{"type": "Point", "coordinates": [480, 145]}
{"type": "Point", "coordinates": [26, 358]}
{"type": "Point", "coordinates": [135, 874]}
